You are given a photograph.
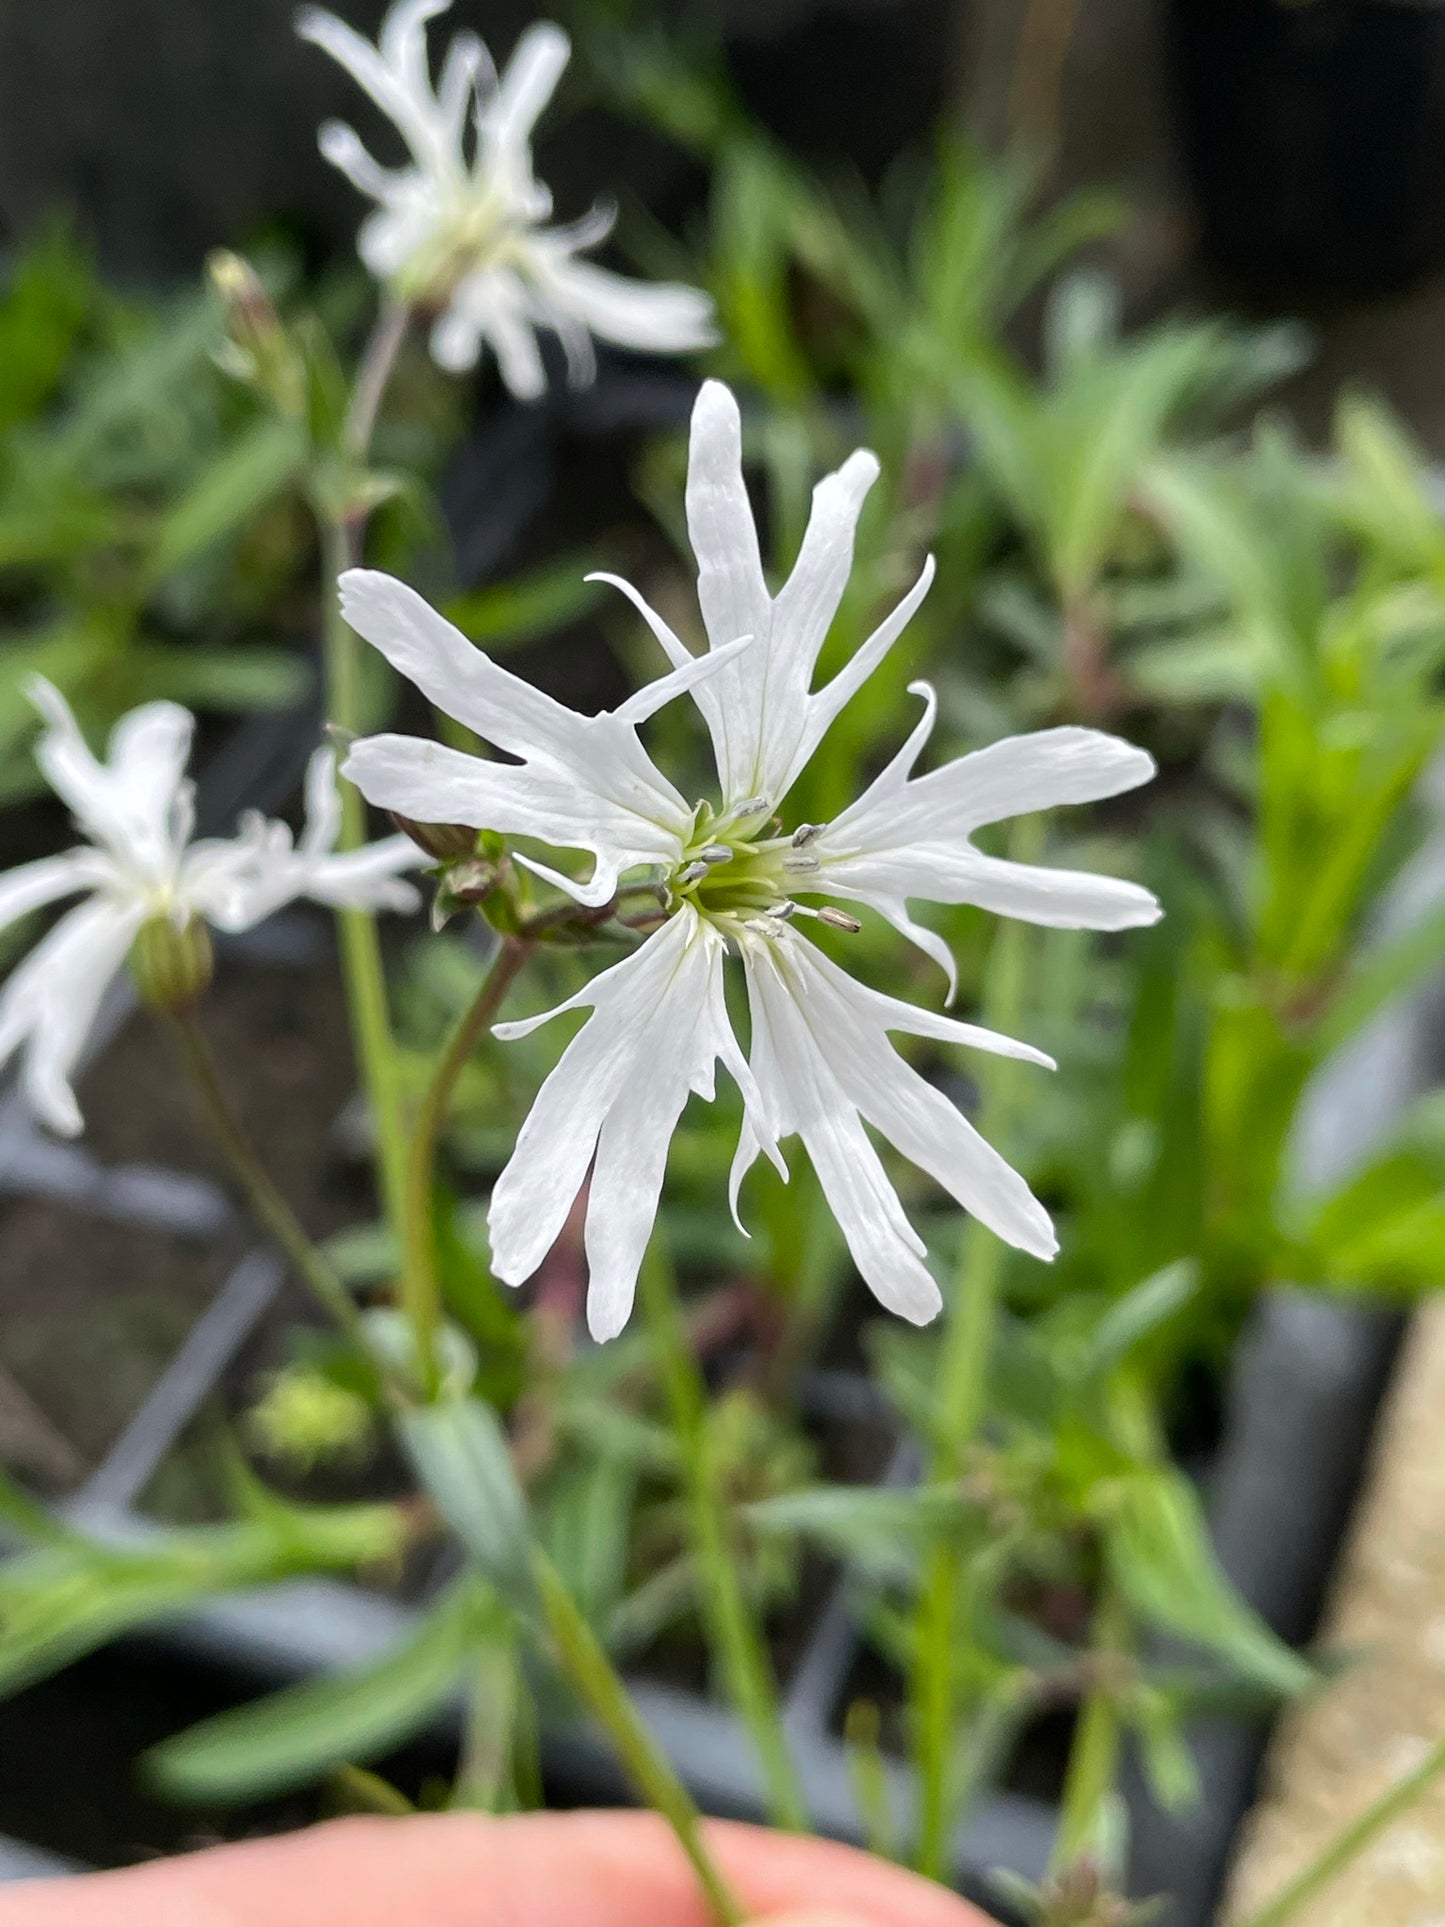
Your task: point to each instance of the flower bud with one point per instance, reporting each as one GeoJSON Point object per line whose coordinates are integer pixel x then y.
{"type": "Point", "coordinates": [257, 349]}
{"type": "Point", "coordinates": [446, 842]}
{"type": "Point", "coordinates": [172, 964]}
{"type": "Point", "coordinates": [462, 886]}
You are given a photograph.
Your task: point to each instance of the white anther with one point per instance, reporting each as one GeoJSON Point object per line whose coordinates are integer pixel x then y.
{"type": "Point", "coordinates": [805, 833]}
{"type": "Point", "coordinates": [715, 853]}
{"type": "Point", "coordinates": [692, 873]}
{"type": "Point", "coordinates": [801, 864]}
{"type": "Point", "coordinates": [839, 919]}
{"type": "Point", "coordinates": [754, 806]}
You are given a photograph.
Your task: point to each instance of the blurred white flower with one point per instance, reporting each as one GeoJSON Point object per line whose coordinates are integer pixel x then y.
{"type": "Point", "coordinates": [820, 1064]}
{"type": "Point", "coordinates": [459, 228]}
{"type": "Point", "coordinates": [137, 810]}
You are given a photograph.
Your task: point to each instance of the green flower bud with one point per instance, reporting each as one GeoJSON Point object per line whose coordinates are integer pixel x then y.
{"type": "Point", "coordinates": [304, 1419]}
{"type": "Point", "coordinates": [446, 842]}
{"type": "Point", "coordinates": [172, 964]}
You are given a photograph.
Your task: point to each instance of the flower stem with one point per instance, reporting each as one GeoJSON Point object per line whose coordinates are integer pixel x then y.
{"type": "Point", "coordinates": [946, 1607]}
{"type": "Point", "coordinates": [586, 1664]}
{"type": "Point", "coordinates": [736, 1634]}
{"type": "Point", "coordinates": [377, 362]}
{"type": "Point", "coordinates": [1094, 1754]}
{"type": "Point", "coordinates": [1351, 1842]}
{"type": "Point", "coordinates": [341, 539]}
{"type": "Point", "coordinates": [261, 1194]}
{"type": "Point", "coordinates": [421, 1287]}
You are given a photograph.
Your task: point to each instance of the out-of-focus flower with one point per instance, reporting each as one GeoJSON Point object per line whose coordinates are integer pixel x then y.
{"type": "Point", "coordinates": [140, 867]}
{"type": "Point", "coordinates": [460, 228]}
{"type": "Point", "coordinates": [820, 1065]}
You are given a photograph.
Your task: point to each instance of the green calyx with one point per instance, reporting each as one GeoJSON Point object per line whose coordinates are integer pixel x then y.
{"type": "Point", "coordinates": [172, 963]}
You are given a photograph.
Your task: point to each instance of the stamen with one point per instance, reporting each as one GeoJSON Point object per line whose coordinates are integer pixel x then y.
{"type": "Point", "coordinates": [787, 910]}
{"type": "Point", "coordinates": [715, 853]}
{"type": "Point", "coordinates": [801, 865]}
{"type": "Point", "coordinates": [692, 873]}
{"type": "Point", "coordinates": [839, 919]}
{"type": "Point", "coordinates": [754, 806]}
{"type": "Point", "coordinates": [805, 833]}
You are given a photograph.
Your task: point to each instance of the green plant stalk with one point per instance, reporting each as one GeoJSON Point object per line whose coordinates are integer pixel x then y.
{"type": "Point", "coordinates": [738, 1638]}
{"type": "Point", "coordinates": [945, 1607]}
{"type": "Point", "coordinates": [1349, 1843]}
{"type": "Point", "coordinates": [420, 1285]}
{"type": "Point", "coordinates": [582, 1658]}
{"type": "Point", "coordinates": [361, 966]}
{"type": "Point", "coordinates": [265, 1200]}
{"type": "Point", "coordinates": [341, 543]}
{"type": "Point", "coordinates": [1094, 1755]}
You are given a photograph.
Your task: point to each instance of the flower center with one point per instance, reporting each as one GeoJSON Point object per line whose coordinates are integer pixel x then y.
{"type": "Point", "coordinates": [731, 872]}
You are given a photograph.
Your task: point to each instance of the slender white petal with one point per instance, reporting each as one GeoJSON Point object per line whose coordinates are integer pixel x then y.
{"type": "Point", "coordinates": [658, 1027]}
{"type": "Point", "coordinates": [526, 85]}
{"type": "Point", "coordinates": [238, 885]}
{"type": "Point", "coordinates": [764, 716]}
{"type": "Point", "coordinates": [583, 782]}
{"type": "Point", "coordinates": [47, 880]}
{"type": "Point", "coordinates": [908, 837]}
{"type": "Point", "coordinates": [653, 317]}
{"type": "Point", "coordinates": [824, 1067]}
{"type": "Point", "coordinates": [49, 1002]}
{"type": "Point", "coordinates": [128, 803]}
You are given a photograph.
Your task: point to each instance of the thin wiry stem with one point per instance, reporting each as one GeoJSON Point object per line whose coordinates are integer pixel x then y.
{"type": "Point", "coordinates": [946, 1608]}
{"type": "Point", "coordinates": [260, 1191]}
{"type": "Point", "coordinates": [747, 1666]}
{"type": "Point", "coordinates": [342, 533]}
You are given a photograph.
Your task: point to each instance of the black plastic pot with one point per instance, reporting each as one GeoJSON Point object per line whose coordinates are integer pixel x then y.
{"type": "Point", "coordinates": [1314, 136]}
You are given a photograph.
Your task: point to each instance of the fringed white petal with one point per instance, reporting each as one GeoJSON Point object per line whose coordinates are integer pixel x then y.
{"type": "Point", "coordinates": [657, 1029]}
{"type": "Point", "coordinates": [825, 1067]}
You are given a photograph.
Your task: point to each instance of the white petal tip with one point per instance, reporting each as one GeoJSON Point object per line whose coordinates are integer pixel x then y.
{"type": "Point", "coordinates": [606, 1321]}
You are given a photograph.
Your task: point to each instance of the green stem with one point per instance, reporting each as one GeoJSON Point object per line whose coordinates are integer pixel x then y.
{"type": "Point", "coordinates": [360, 945]}
{"type": "Point", "coordinates": [736, 1634]}
{"type": "Point", "coordinates": [946, 1607]}
{"type": "Point", "coordinates": [1094, 1754]}
{"type": "Point", "coordinates": [420, 1286]}
{"type": "Point", "coordinates": [1346, 1846]}
{"type": "Point", "coordinates": [588, 1667]}
{"type": "Point", "coordinates": [261, 1194]}
{"type": "Point", "coordinates": [341, 542]}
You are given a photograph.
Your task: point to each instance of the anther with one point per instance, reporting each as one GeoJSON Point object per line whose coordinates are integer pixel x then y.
{"type": "Point", "coordinates": [692, 873]}
{"type": "Point", "coordinates": [805, 833]}
{"type": "Point", "coordinates": [754, 806]}
{"type": "Point", "coordinates": [801, 864]}
{"type": "Point", "coordinates": [839, 919]}
{"type": "Point", "coordinates": [785, 911]}
{"type": "Point", "coordinates": [715, 853]}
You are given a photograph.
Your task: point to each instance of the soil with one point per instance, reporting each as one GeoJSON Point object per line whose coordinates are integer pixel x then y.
{"type": "Point", "coordinates": [91, 1311]}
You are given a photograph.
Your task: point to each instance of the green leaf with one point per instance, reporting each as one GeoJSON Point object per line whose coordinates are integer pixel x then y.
{"type": "Point", "coordinates": [297, 1735]}
{"type": "Point", "coordinates": [1141, 1311]}
{"type": "Point", "coordinates": [247, 677]}
{"type": "Point", "coordinates": [1381, 972]}
{"type": "Point", "coordinates": [1160, 1557]}
{"type": "Point", "coordinates": [881, 1528]}
{"type": "Point", "coordinates": [459, 1452]}
{"type": "Point", "coordinates": [241, 480]}
{"type": "Point", "coordinates": [60, 1601]}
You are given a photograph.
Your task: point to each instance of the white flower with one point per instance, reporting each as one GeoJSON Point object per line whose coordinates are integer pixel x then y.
{"type": "Point", "coordinates": [137, 809]}
{"type": "Point", "coordinates": [459, 229]}
{"type": "Point", "coordinates": [820, 1064]}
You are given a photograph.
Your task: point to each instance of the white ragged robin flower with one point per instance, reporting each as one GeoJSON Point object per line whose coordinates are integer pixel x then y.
{"type": "Point", "coordinates": [140, 866]}
{"type": "Point", "coordinates": [820, 1064]}
{"type": "Point", "coordinates": [460, 229]}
